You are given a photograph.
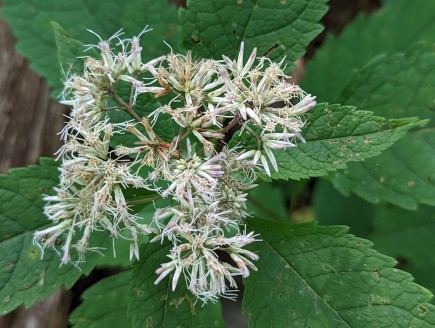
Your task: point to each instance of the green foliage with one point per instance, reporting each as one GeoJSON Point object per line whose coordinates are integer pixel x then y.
{"type": "Point", "coordinates": [156, 305]}
{"type": "Point", "coordinates": [308, 275]}
{"type": "Point", "coordinates": [267, 200]}
{"type": "Point", "coordinates": [31, 23]}
{"type": "Point", "coordinates": [69, 50]}
{"type": "Point", "coordinates": [24, 276]}
{"type": "Point", "coordinates": [317, 276]}
{"type": "Point", "coordinates": [385, 225]}
{"type": "Point", "coordinates": [385, 31]}
{"type": "Point", "coordinates": [104, 304]}
{"type": "Point", "coordinates": [336, 135]}
{"type": "Point", "coordinates": [276, 28]}
{"type": "Point", "coordinates": [404, 174]}
{"type": "Point", "coordinates": [354, 211]}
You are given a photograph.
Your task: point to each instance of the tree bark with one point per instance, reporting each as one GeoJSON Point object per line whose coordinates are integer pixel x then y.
{"type": "Point", "coordinates": [29, 123]}
{"type": "Point", "coordinates": [29, 118]}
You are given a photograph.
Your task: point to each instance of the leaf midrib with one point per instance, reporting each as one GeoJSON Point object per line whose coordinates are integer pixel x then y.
{"type": "Point", "coordinates": [300, 276]}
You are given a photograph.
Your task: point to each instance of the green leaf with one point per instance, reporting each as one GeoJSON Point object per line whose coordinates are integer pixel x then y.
{"type": "Point", "coordinates": [69, 50]}
{"type": "Point", "coordinates": [413, 231]}
{"type": "Point", "coordinates": [156, 305]}
{"type": "Point", "coordinates": [383, 32]}
{"type": "Point", "coordinates": [317, 276]}
{"type": "Point", "coordinates": [104, 304]}
{"type": "Point", "coordinates": [267, 200]}
{"type": "Point", "coordinates": [276, 28]}
{"type": "Point", "coordinates": [24, 276]}
{"type": "Point", "coordinates": [385, 225]}
{"type": "Point", "coordinates": [332, 207]}
{"type": "Point", "coordinates": [336, 135]}
{"type": "Point", "coordinates": [395, 86]}
{"type": "Point", "coordinates": [30, 22]}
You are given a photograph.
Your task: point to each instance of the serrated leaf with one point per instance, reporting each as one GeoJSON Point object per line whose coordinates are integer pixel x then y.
{"type": "Point", "coordinates": [413, 231]}
{"type": "Point", "coordinates": [156, 305]}
{"type": "Point", "coordinates": [395, 86]}
{"type": "Point", "coordinates": [30, 22]}
{"type": "Point", "coordinates": [400, 85]}
{"type": "Point", "coordinates": [104, 304]}
{"type": "Point", "coordinates": [365, 37]}
{"type": "Point", "coordinates": [336, 135]}
{"type": "Point", "coordinates": [315, 276]}
{"type": "Point", "coordinates": [405, 235]}
{"type": "Point", "coordinates": [24, 276]}
{"type": "Point", "coordinates": [276, 28]}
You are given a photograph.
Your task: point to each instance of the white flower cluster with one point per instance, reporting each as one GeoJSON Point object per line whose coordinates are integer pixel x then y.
{"type": "Point", "coordinates": [206, 176]}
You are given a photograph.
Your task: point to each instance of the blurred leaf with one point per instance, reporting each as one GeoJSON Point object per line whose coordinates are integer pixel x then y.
{"type": "Point", "coordinates": [332, 208]}
{"type": "Point", "coordinates": [30, 22]}
{"type": "Point", "coordinates": [316, 276]}
{"type": "Point", "coordinates": [365, 37]}
{"type": "Point", "coordinates": [279, 29]}
{"type": "Point", "coordinates": [104, 304]}
{"type": "Point", "coordinates": [156, 305]}
{"type": "Point", "coordinates": [267, 201]}
{"type": "Point", "coordinates": [396, 86]}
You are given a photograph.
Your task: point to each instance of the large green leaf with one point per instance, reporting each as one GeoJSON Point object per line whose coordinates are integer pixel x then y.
{"type": "Point", "coordinates": [413, 231]}
{"type": "Point", "coordinates": [336, 135]}
{"type": "Point", "coordinates": [30, 22]}
{"type": "Point", "coordinates": [276, 28]}
{"type": "Point", "coordinates": [394, 28]}
{"type": "Point", "coordinates": [104, 304]}
{"type": "Point", "coordinates": [315, 276]}
{"type": "Point", "coordinates": [24, 276]}
{"type": "Point", "coordinates": [405, 235]}
{"type": "Point", "coordinates": [396, 86]}
{"type": "Point", "coordinates": [156, 305]}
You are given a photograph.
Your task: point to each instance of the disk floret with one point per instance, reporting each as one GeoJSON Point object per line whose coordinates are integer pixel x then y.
{"type": "Point", "coordinates": [227, 118]}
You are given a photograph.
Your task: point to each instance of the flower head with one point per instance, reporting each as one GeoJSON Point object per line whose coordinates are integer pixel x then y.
{"type": "Point", "coordinates": [184, 149]}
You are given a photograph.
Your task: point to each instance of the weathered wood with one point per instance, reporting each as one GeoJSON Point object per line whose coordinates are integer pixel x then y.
{"type": "Point", "coordinates": [29, 119]}
{"type": "Point", "coordinates": [29, 123]}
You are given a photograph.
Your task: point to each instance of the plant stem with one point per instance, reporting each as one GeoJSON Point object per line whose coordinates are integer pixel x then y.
{"type": "Point", "coordinates": [144, 200]}
{"type": "Point", "coordinates": [127, 107]}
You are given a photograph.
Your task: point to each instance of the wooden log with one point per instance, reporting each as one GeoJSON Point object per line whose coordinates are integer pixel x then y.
{"type": "Point", "coordinates": [29, 123]}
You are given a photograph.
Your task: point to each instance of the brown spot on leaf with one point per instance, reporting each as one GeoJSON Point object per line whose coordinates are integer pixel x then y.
{"type": "Point", "coordinates": [422, 310]}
